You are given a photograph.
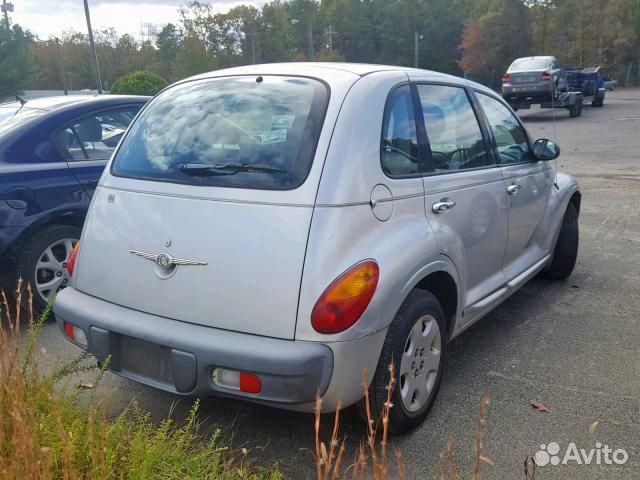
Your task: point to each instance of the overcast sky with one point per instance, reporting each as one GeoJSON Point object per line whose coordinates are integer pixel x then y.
{"type": "Point", "coordinates": [51, 17]}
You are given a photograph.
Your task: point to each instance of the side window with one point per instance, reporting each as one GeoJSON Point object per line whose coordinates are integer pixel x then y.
{"type": "Point", "coordinates": [95, 136]}
{"type": "Point", "coordinates": [452, 129]}
{"type": "Point", "coordinates": [510, 136]}
{"type": "Point", "coordinates": [399, 138]}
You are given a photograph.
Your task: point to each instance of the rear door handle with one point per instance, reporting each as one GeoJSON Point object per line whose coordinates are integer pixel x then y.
{"type": "Point", "coordinates": [442, 206]}
{"type": "Point", "coordinates": [513, 189]}
{"type": "Point", "coordinates": [94, 182]}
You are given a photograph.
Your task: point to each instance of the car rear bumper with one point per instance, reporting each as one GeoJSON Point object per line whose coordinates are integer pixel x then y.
{"type": "Point", "coordinates": [542, 89]}
{"type": "Point", "coordinates": [180, 357]}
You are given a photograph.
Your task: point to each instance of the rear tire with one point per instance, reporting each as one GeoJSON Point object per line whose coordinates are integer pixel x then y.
{"type": "Point", "coordinates": [574, 110]}
{"type": "Point", "coordinates": [566, 251]}
{"type": "Point", "coordinates": [416, 342]}
{"type": "Point", "coordinates": [41, 262]}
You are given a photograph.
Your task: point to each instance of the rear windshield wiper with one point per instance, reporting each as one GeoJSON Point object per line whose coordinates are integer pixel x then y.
{"type": "Point", "coordinates": [205, 169]}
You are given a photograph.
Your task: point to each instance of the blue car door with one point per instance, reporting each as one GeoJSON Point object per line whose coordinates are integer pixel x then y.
{"type": "Point", "coordinates": [90, 140]}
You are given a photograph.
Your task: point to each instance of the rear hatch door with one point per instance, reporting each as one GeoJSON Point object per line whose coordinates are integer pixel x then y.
{"type": "Point", "coordinates": [216, 179]}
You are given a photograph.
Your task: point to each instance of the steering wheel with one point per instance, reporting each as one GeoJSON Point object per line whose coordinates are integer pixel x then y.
{"type": "Point", "coordinates": [391, 148]}
{"type": "Point", "coordinates": [112, 141]}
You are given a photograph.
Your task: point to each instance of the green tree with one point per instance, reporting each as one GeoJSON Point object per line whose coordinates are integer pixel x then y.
{"type": "Point", "coordinates": [192, 59]}
{"type": "Point", "coordinates": [17, 70]}
{"type": "Point", "coordinates": [168, 43]}
{"type": "Point", "coordinates": [276, 33]}
{"type": "Point", "coordinates": [139, 83]}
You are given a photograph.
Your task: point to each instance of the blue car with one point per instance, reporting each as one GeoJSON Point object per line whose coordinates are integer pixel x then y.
{"type": "Point", "coordinates": [52, 153]}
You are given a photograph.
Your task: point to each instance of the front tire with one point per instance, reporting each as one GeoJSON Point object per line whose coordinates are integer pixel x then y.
{"type": "Point", "coordinates": [42, 262]}
{"type": "Point", "coordinates": [566, 251]}
{"type": "Point", "coordinates": [416, 343]}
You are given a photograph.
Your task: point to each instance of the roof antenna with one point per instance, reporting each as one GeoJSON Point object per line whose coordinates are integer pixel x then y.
{"type": "Point", "coordinates": [14, 94]}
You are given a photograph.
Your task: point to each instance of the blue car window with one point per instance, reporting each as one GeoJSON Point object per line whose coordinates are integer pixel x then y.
{"type": "Point", "coordinates": [95, 136]}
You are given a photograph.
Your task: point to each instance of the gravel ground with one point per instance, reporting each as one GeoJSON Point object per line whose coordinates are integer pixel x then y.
{"type": "Point", "coordinates": [574, 346]}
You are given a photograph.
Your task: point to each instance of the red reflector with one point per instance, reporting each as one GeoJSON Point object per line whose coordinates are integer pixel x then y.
{"type": "Point", "coordinates": [506, 78]}
{"type": "Point", "coordinates": [68, 329]}
{"type": "Point", "coordinates": [250, 383]}
{"type": "Point", "coordinates": [71, 261]}
{"type": "Point", "coordinates": [546, 76]}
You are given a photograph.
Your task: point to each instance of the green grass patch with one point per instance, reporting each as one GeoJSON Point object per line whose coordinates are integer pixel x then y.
{"type": "Point", "coordinates": [51, 431]}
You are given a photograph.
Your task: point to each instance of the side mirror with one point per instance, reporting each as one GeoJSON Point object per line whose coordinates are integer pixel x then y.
{"type": "Point", "coordinates": [545, 150]}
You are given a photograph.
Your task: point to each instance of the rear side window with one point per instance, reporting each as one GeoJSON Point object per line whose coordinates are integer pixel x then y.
{"type": "Point", "coordinates": [243, 132]}
{"type": "Point", "coordinates": [510, 136]}
{"type": "Point", "coordinates": [399, 138]}
{"type": "Point", "coordinates": [95, 136]}
{"type": "Point", "coordinates": [452, 129]}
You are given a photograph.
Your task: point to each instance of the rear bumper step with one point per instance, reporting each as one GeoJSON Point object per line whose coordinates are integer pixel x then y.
{"type": "Point", "coordinates": [180, 357]}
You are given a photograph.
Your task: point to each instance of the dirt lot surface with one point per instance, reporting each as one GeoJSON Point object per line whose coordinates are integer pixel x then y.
{"type": "Point", "coordinates": [574, 346]}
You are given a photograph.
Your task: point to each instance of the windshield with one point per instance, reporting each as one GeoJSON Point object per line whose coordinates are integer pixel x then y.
{"type": "Point", "coordinates": [523, 64]}
{"type": "Point", "coordinates": [244, 132]}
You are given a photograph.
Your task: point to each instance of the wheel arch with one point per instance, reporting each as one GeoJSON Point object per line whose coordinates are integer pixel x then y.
{"type": "Point", "coordinates": [71, 218]}
{"type": "Point", "coordinates": [576, 200]}
{"type": "Point", "coordinates": [442, 285]}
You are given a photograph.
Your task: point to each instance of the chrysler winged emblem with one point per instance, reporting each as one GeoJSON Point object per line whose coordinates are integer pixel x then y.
{"type": "Point", "coordinates": [165, 260]}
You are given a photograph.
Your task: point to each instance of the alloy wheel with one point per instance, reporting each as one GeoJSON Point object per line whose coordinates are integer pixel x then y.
{"type": "Point", "coordinates": [420, 363]}
{"type": "Point", "coordinates": [51, 273]}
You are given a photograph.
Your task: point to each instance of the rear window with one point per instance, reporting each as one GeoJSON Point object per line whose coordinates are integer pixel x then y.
{"type": "Point", "coordinates": [12, 116]}
{"type": "Point", "coordinates": [524, 64]}
{"type": "Point", "coordinates": [244, 132]}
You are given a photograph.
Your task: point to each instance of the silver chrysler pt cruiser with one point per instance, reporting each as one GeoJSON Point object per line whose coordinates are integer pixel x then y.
{"type": "Point", "coordinates": [271, 232]}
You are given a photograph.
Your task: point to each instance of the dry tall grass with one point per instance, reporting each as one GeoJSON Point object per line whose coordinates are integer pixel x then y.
{"type": "Point", "coordinates": [371, 458]}
{"type": "Point", "coordinates": [47, 431]}
{"type": "Point", "coordinates": [50, 432]}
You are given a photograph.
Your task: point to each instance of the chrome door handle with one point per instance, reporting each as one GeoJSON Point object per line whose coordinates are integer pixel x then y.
{"type": "Point", "coordinates": [513, 189]}
{"type": "Point", "coordinates": [442, 206]}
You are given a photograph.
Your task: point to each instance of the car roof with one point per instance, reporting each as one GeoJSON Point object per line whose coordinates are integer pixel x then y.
{"type": "Point", "coordinates": [323, 70]}
{"type": "Point", "coordinates": [336, 72]}
{"type": "Point", "coordinates": [60, 101]}
{"type": "Point", "coordinates": [47, 111]}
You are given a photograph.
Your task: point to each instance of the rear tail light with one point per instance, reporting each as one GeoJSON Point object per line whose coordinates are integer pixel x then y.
{"type": "Point", "coordinates": [546, 76]}
{"type": "Point", "coordinates": [506, 78]}
{"type": "Point", "coordinates": [346, 299]}
{"type": "Point", "coordinates": [75, 333]}
{"type": "Point", "coordinates": [243, 381]}
{"type": "Point", "coordinates": [71, 261]}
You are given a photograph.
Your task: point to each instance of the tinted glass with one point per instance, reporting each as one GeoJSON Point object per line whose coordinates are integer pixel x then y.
{"type": "Point", "coordinates": [510, 136]}
{"type": "Point", "coordinates": [244, 132]}
{"type": "Point", "coordinates": [523, 64]}
{"type": "Point", "coordinates": [399, 139]}
{"type": "Point", "coordinates": [95, 136]}
{"type": "Point", "coordinates": [452, 128]}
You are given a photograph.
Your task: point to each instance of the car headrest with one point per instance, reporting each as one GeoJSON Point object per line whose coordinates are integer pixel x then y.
{"type": "Point", "coordinates": [89, 130]}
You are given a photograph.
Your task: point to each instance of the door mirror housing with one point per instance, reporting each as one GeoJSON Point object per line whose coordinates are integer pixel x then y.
{"type": "Point", "coordinates": [545, 150]}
